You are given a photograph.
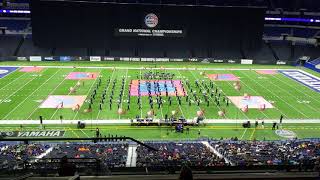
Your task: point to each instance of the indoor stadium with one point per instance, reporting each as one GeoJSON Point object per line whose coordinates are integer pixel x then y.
{"type": "Point", "coordinates": [159, 89]}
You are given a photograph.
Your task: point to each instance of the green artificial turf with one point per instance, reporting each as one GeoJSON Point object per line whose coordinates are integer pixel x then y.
{"type": "Point", "coordinates": [21, 94]}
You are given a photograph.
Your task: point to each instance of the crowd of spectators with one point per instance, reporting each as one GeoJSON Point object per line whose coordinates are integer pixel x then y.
{"type": "Point", "coordinates": [193, 154]}
{"type": "Point", "coordinates": [11, 155]}
{"type": "Point", "coordinates": [244, 153]}
{"type": "Point", "coordinates": [112, 155]}
{"type": "Point", "coordinates": [222, 153]}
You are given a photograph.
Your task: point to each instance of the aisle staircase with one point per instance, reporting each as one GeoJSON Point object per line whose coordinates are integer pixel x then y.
{"type": "Point", "coordinates": [212, 149]}
{"type": "Point", "coordinates": [132, 156]}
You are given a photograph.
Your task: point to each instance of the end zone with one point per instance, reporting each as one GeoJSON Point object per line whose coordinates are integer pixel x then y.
{"type": "Point", "coordinates": [6, 70]}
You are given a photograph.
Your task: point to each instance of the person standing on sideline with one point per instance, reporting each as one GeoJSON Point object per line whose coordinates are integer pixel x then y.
{"type": "Point", "coordinates": [97, 132]}
{"type": "Point", "coordinates": [280, 122]}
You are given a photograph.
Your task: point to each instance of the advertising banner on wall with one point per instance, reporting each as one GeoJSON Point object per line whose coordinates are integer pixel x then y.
{"type": "Point", "coordinates": [108, 58]}
{"type": "Point", "coordinates": [217, 61]}
{"type": "Point", "coordinates": [95, 58]}
{"type": "Point", "coordinates": [65, 58]}
{"type": "Point", "coordinates": [246, 61]}
{"type": "Point", "coordinates": [22, 58]}
{"type": "Point", "coordinates": [134, 59]}
{"type": "Point", "coordinates": [148, 59]}
{"type": "Point", "coordinates": [162, 59]}
{"type": "Point", "coordinates": [35, 58]}
{"type": "Point", "coordinates": [281, 62]}
{"type": "Point", "coordinates": [264, 61]}
{"type": "Point", "coordinates": [50, 58]}
{"type": "Point", "coordinates": [124, 59]}
{"type": "Point", "coordinates": [231, 61]}
{"type": "Point", "coordinates": [176, 60]}
{"type": "Point", "coordinates": [193, 60]}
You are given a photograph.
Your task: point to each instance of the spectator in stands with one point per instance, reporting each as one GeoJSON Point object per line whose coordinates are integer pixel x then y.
{"type": "Point", "coordinates": [66, 168]}
{"type": "Point", "coordinates": [176, 154]}
{"type": "Point", "coordinates": [317, 166]}
{"type": "Point", "coordinates": [185, 173]}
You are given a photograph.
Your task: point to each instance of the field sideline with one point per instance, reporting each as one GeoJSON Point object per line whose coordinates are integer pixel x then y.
{"type": "Point", "coordinates": [218, 131]}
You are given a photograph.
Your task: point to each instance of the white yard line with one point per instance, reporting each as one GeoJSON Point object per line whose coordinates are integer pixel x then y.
{"type": "Point", "coordinates": [57, 109]}
{"type": "Point", "coordinates": [160, 107]}
{"type": "Point", "coordinates": [256, 93]}
{"type": "Point", "coordinates": [292, 95]}
{"type": "Point", "coordinates": [213, 100]}
{"type": "Point", "coordinates": [30, 94]}
{"type": "Point", "coordinates": [235, 106]}
{"type": "Point", "coordinates": [21, 87]}
{"type": "Point", "coordinates": [140, 96]}
{"type": "Point", "coordinates": [13, 81]}
{"type": "Point", "coordinates": [107, 91]}
{"type": "Point", "coordinates": [297, 89]}
{"type": "Point", "coordinates": [189, 90]}
{"type": "Point", "coordinates": [125, 81]}
{"type": "Point", "coordinates": [244, 132]}
{"type": "Point", "coordinates": [11, 71]}
{"type": "Point", "coordinates": [74, 117]}
{"type": "Point", "coordinates": [48, 96]}
{"type": "Point", "coordinates": [84, 133]}
{"type": "Point", "coordinates": [276, 96]}
{"type": "Point", "coordinates": [177, 102]}
{"type": "Point", "coordinates": [251, 136]}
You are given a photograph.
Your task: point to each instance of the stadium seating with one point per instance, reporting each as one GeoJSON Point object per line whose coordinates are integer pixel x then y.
{"type": "Point", "coordinates": [17, 25]}
{"type": "Point", "coordinates": [100, 157]}
{"type": "Point", "coordinates": [316, 61]}
{"type": "Point", "coordinates": [269, 153]}
{"type": "Point", "coordinates": [28, 49]}
{"type": "Point", "coordinates": [286, 5]}
{"type": "Point", "coordinates": [282, 49]}
{"type": "Point", "coordinates": [71, 51]}
{"type": "Point", "coordinates": [312, 5]}
{"type": "Point", "coordinates": [306, 50]}
{"type": "Point", "coordinates": [114, 155]}
{"type": "Point", "coordinates": [13, 154]}
{"type": "Point", "coordinates": [292, 31]}
{"type": "Point", "coordinates": [8, 45]}
{"type": "Point", "coordinates": [175, 154]}
{"type": "Point", "coordinates": [194, 153]}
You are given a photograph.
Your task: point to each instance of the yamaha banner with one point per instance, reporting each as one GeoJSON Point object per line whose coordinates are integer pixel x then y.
{"type": "Point", "coordinates": [51, 133]}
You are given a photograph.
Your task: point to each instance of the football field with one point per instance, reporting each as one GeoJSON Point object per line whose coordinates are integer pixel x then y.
{"type": "Point", "coordinates": [225, 96]}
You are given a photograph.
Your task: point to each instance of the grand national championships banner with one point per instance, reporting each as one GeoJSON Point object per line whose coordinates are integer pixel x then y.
{"type": "Point", "coordinates": [149, 32]}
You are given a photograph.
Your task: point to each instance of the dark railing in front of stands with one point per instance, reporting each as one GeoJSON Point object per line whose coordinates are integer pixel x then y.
{"type": "Point", "coordinates": [95, 167]}
{"type": "Point", "coordinates": [55, 139]}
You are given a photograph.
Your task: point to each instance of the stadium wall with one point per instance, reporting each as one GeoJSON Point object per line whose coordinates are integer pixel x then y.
{"type": "Point", "coordinates": [141, 30]}
{"type": "Point", "coordinates": [313, 65]}
{"type": "Point", "coordinates": [136, 59]}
